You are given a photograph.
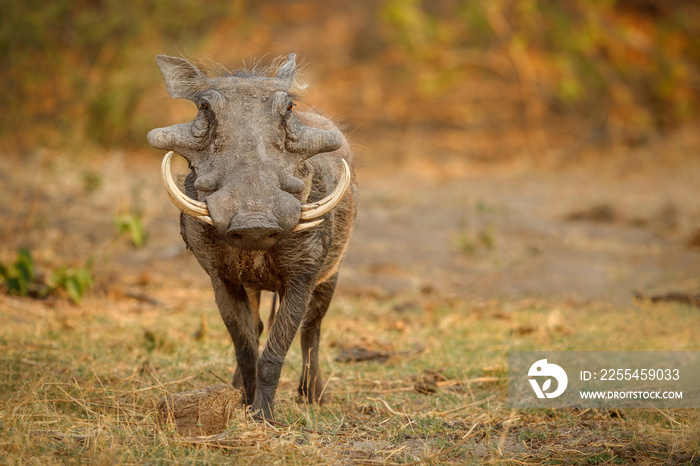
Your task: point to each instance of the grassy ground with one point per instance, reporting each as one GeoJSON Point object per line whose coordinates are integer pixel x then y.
{"type": "Point", "coordinates": [80, 384]}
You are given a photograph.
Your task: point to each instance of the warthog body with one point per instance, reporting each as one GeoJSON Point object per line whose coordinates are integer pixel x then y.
{"type": "Point", "coordinates": [257, 168]}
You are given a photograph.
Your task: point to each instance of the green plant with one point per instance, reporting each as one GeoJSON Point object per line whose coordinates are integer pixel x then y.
{"type": "Point", "coordinates": [487, 237]}
{"type": "Point", "coordinates": [22, 279]}
{"type": "Point", "coordinates": [130, 224]}
{"type": "Point", "coordinates": [20, 275]}
{"type": "Point", "coordinates": [75, 281]}
{"type": "Point", "coordinates": [92, 181]}
{"type": "Point", "coordinates": [466, 244]}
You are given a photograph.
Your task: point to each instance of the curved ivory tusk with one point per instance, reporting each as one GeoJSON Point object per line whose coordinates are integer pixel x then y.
{"type": "Point", "coordinates": [306, 225]}
{"type": "Point", "coordinates": [317, 209]}
{"type": "Point", "coordinates": [191, 207]}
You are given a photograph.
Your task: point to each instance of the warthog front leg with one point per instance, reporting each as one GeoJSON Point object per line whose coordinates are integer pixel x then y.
{"type": "Point", "coordinates": [234, 308]}
{"type": "Point", "coordinates": [254, 301]}
{"type": "Point", "coordinates": [310, 383]}
{"type": "Point", "coordinates": [294, 300]}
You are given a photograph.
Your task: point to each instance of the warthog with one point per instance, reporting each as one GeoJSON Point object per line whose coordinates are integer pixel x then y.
{"type": "Point", "coordinates": [269, 204]}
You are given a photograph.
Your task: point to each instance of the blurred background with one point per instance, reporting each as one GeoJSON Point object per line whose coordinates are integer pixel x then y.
{"type": "Point", "coordinates": [509, 147]}
{"type": "Point", "coordinates": [552, 76]}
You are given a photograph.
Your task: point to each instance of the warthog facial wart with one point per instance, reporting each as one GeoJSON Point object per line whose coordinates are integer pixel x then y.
{"type": "Point", "coordinates": [268, 204]}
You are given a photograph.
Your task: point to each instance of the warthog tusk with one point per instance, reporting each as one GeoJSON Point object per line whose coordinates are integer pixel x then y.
{"type": "Point", "coordinates": [191, 207]}
{"type": "Point", "coordinates": [310, 213]}
{"type": "Point", "coordinates": [306, 225]}
{"type": "Point", "coordinates": [320, 208]}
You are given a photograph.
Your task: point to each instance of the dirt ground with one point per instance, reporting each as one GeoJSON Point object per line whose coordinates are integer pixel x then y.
{"type": "Point", "coordinates": [576, 234]}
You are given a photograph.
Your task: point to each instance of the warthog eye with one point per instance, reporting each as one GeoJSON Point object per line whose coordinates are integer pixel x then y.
{"type": "Point", "coordinates": [290, 105]}
{"type": "Point", "coordinates": [204, 104]}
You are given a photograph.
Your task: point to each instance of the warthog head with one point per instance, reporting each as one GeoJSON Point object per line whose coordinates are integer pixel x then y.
{"type": "Point", "coordinates": [245, 148]}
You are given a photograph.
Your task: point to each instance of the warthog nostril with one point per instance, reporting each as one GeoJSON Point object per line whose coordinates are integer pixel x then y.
{"type": "Point", "coordinates": [253, 237]}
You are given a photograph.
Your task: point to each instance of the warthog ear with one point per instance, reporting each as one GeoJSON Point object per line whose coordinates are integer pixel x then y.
{"type": "Point", "coordinates": [286, 71]}
{"type": "Point", "coordinates": [182, 79]}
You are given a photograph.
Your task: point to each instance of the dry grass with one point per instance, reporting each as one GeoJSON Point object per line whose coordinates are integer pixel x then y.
{"type": "Point", "coordinates": [80, 384]}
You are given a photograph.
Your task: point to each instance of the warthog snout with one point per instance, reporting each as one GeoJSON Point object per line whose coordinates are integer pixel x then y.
{"type": "Point", "coordinates": [253, 232]}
